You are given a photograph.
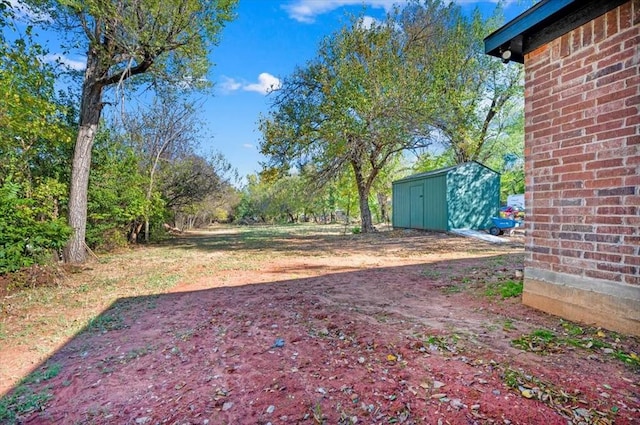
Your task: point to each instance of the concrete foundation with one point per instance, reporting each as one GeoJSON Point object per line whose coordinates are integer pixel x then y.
{"type": "Point", "coordinates": [594, 302]}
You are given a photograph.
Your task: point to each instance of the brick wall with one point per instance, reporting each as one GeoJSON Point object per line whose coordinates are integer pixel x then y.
{"type": "Point", "coordinates": [582, 151]}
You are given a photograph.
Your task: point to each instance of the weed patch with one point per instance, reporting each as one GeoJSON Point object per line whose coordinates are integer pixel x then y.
{"type": "Point", "coordinates": [160, 282]}
{"type": "Point", "coordinates": [544, 341]}
{"type": "Point", "coordinates": [106, 322]}
{"type": "Point", "coordinates": [23, 399]}
{"type": "Point", "coordinates": [506, 289]}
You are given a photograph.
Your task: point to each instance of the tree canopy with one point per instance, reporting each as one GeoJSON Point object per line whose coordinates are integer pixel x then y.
{"type": "Point", "coordinates": [374, 92]}
{"type": "Point", "coordinates": [168, 41]}
{"type": "Point", "coordinates": [357, 105]}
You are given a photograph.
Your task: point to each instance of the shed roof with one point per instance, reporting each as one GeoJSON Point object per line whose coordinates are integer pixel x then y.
{"type": "Point", "coordinates": [544, 22]}
{"type": "Point", "coordinates": [440, 171]}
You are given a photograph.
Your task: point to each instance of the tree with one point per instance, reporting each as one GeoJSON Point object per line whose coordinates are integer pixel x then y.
{"type": "Point", "coordinates": [161, 135]}
{"type": "Point", "coordinates": [117, 193]}
{"type": "Point", "coordinates": [479, 95]}
{"type": "Point", "coordinates": [192, 179]}
{"type": "Point", "coordinates": [508, 158]}
{"type": "Point", "coordinates": [166, 40]}
{"type": "Point", "coordinates": [356, 106]}
{"type": "Point", "coordinates": [34, 138]}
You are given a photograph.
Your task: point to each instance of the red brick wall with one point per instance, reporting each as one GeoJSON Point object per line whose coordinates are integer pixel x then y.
{"type": "Point", "coordinates": [582, 150]}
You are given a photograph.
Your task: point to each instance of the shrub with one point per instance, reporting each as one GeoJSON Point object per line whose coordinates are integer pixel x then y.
{"type": "Point", "coordinates": [26, 240]}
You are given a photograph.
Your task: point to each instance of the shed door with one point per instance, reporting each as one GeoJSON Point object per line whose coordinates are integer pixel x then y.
{"type": "Point", "coordinates": [417, 207]}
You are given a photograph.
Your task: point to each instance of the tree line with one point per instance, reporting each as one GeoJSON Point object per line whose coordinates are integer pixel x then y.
{"type": "Point", "coordinates": [380, 100]}
{"type": "Point", "coordinates": [74, 179]}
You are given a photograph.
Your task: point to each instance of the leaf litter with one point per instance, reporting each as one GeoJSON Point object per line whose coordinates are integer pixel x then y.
{"type": "Point", "coordinates": [347, 330]}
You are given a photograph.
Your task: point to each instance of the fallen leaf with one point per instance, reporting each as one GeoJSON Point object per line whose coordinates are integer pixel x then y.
{"type": "Point", "coordinates": [526, 392]}
{"type": "Point", "coordinates": [438, 384]}
{"type": "Point", "coordinates": [391, 358]}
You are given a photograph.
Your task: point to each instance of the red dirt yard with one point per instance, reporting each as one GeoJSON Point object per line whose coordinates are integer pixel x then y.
{"type": "Point", "coordinates": [305, 325]}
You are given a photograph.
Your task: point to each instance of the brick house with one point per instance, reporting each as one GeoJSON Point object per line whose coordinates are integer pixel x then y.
{"type": "Point", "coordinates": [582, 157]}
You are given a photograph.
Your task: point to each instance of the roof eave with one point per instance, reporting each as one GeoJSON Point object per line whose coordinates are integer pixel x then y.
{"type": "Point", "coordinates": [543, 23]}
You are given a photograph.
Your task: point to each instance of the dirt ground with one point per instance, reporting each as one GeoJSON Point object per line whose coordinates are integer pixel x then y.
{"type": "Point", "coordinates": [231, 326]}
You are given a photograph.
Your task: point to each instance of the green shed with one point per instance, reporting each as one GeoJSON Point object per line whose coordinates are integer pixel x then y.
{"type": "Point", "coordinates": [464, 196]}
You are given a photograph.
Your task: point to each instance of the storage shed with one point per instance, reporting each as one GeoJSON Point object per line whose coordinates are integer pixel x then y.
{"type": "Point", "coordinates": [464, 196]}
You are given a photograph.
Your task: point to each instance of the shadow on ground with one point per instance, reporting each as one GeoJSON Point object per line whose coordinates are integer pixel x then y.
{"type": "Point", "coordinates": [410, 344]}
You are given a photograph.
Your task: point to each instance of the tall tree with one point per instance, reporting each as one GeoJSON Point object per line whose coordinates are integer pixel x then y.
{"type": "Point", "coordinates": [356, 106]}
{"type": "Point", "coordinates": [123, 39]}
{"type": "Point", "coordinates": [479, 96]}
{"type": "Point", "coordinates": [160, 135]}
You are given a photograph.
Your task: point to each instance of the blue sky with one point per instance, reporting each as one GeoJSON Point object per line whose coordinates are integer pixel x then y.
{"type": "Point", "coordinates": [264, 44]}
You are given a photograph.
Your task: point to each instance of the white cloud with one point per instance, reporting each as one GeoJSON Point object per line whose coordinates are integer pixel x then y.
{"type": "Point", "coordinates": [76, 65]}
{"type": "Point", "coordinates": [23, 11]}
{"type": "Point", "coordinates": [266, 84]}
{"type": "Point", "coordinates": [367, 22]}
{"type": "Point", "coordinates": [229, 84]}
{"type": "Point", "coordinates": [248, 146]}
{"type": "Point", "coordinates": [307, 10]}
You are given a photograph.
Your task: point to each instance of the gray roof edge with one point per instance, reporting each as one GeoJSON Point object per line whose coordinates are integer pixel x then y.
{"type": "Point", "coordinates": [440, 171]}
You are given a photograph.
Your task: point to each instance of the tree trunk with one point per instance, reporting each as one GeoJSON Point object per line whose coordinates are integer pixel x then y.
{"type": "Point", "coordinates": [90, 109]}
{"type": "Point", "coordinates": [364, 188]}
{"type": "Point", "coordinates": [136, 227]}
{"type": "Point", "coordinates": [146, 230]}
{"type": "Point", "coordinates": [382, 202]}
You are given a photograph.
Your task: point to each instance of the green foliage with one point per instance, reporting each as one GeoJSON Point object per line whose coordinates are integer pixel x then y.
{"type": "Point", "coordinates": [166, 43]}
{"type": "Point", "coordinates": [544, 341]}
{"type": "Point", "coordinates": [34, 135]}
{"type": "Point", "coordinates": [34, 142]}
{"type": "Point", "coordinates": [419, 78]}
{"type": "Point", "coordinates": [479, 114]}
{"type": "Point", "coordinates": [268, 198]}
{"type": "Point", "coordinates": [429, 161]}
{"type": "Point", "coordinates": [27, 234]}
{"type": "Point", "coordinates": [506, 289]}
{"type": "Point", "coordinates": [117, 195]}
{"type": "Point", "coordinates": [508, 158]}
{"type": "Point", "coordinates": [478, 93]}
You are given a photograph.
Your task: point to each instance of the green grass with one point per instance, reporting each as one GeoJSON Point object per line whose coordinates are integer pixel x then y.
{"type": "Point", "coordinates": [431, 273]}
{"type": "Point", "coordinates": [23, 399]}
{"type": "Point", "coordinates": [138, 352]}
{"type": "Point", "coordinates": [108, 321]}
{"type": "Point", "coordinates": [545, 341]}
{"type": "Point", "coordinates": [160, 281]}
{"type": "Point", "coordinates": [453, 289]}
{"type": "Point", "coordinates": [506, 289]}
{"type": "Point", "coordinates": [541, 341]}
{"type": "Point", "coordinates": [508, 325]}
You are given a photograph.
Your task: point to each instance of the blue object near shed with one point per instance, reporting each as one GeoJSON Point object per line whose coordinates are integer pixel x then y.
{"type": "Point", "coordinates": [464, 196]}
